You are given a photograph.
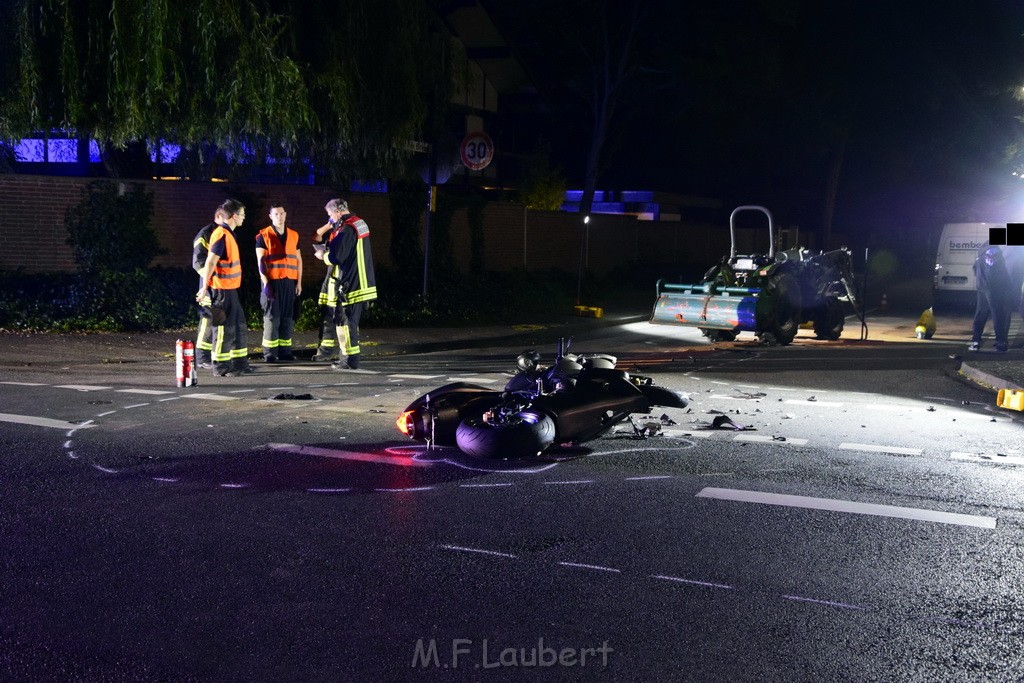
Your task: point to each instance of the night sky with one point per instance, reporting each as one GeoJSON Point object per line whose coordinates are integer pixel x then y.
{"type": "Point", "coordinates": [748, 101]}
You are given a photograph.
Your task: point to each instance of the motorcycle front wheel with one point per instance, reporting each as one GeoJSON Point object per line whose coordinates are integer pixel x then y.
{"type": "Point", "coordinates": [527, 435]}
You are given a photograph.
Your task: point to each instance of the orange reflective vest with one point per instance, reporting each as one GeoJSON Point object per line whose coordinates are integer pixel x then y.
{"type": "Point", "coordinates": [228, 273]}
{"type": "Point", "coordinates": [281, 260]}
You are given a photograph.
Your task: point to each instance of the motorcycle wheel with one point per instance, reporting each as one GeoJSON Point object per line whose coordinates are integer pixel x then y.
{"type": "Point", "coordinates": [529, 435]}
{"type": "Point", "coordinates": [718, 335]}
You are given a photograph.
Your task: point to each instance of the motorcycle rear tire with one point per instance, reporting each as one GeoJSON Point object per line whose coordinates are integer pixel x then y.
{"type": "Point", "coordinates": [533, 433]}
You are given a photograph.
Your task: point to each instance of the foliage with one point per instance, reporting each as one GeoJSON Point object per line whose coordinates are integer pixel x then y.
{"type": "Point", "coordinates": [109, 229]}
{"type": "Point", "coordinates": [333, 84]}
{"type": "Point", "coordinates": [135, 300]}
{"type": "Point", "coordinates": [542, 186]}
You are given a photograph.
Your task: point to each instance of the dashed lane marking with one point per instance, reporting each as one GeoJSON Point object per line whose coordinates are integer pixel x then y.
{"type": "Point", "coordinates": [835, 505]}
{"type": "Point", "coordinates": [403, 461]}
{"type": "Point", "coordinates": [874, 448]}
{"type": "Point", "coordinates": [81, 387]}
{"type": "Point", "coordinates": [762, 438]}
{"type": "Point", "coordinates": [481, 380]}
{"type": "Point", "coordinates": [149, 392]}
{"type": "Point", "coordinates": [997, 458]}
{"type": "Point", "coordinates": [42, 422]}
{"type": "Point", "coordinates": [212, 397]}
{"type": "Point", "coordinates": [414, 376]}
{"type": "Point", "coordinates": [25, 384]}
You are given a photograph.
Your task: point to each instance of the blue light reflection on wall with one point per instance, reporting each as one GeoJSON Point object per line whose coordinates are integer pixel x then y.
{"type": "Point", "coordinates": [375, 186]}
{"type": "Point", "coordinates": [169, 153]}
{"type": "Point", "coordinates": [30, 150]}
{"type": "Point", "coordinates": [62, 151]}
{"type": "Point", "coordinates": [94, 152]}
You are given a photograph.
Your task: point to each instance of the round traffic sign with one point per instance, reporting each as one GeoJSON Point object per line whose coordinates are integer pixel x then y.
{"type": "Point", "coordinates": [476, 150]}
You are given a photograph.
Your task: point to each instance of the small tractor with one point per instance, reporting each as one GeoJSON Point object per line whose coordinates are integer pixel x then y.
{"type": "Point", "coordinates": [768, 294]}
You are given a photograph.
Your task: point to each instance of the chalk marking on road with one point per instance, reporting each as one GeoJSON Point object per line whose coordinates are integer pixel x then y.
{"type": "Point", "coordinates": [344, 490]}
{"type": "Point", "coordinates": [706, 584]}
{"type": "Point", "coordinates": [68, 443]}
{"type": "Point", "coordinates": [403, 376]}
{"type": "Point", "coordinates": [72, 455]}
{"type": "Point", "coordinates": [108, 470]}
{"type": "Point", "coordinates": [874, 448]}
{"type": "Point", "coordinates": [591, 566]}
{"type": "Point", "coordinates": [828, 603]}
{"type": "Point", "coordinates": [660, 476]}
{"type": "Point", "coordinates": [820, 404]}
{"type": "Point", "coordinates": [86, 424]}
{"type": "Point", "coordinates": [463, 549]}
{"type": "Point", "coordinates": [81, 387]}
{"type": "Point", "coordinates": [996, 458]}
{"type": "Point", "coordinates": [559, 483]}
{"type": "Point", "coordinates": [135, 405]}
{"type": "Point", "coordinates": [211, 397]}
{"type": "Point", "coordinates": [234, 486]}
{"type": "Point", "coordinates": [25, 384]}
{"type": "Point", "coordinates": [43, 422]}
{"type": "Point", "coordinates": [404, 461]}
{"type": "Point", "coordinates": [835, 505]}
{"type": "Point", "coordinates": [109, 412]}
{"type": "Point", "coordinates": [482, 486]}
{"type": "Point", "coordinates": [166, 480]}
{"type": "Point", "coordinates": [150, 392]}
{"type": "Point", "coordinates": [763, 438]}
{"type": "Point", "coordinates": [410, 489]}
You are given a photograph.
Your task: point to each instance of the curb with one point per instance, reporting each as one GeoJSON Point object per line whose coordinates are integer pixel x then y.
{"type": "Point", "coordinates": [985, 379]}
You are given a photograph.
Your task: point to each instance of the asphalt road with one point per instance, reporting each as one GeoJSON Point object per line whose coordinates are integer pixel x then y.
{"type": "Point", "coordinates": [867, 525]}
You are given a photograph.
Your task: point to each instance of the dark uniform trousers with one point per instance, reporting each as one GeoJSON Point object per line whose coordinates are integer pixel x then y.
{"type": "Point", "coordinates": [279, 319]}
{"type": "Point", "coordinates": [230, 348]}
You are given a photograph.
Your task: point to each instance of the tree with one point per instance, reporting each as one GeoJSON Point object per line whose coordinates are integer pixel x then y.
{"type": "Point", "coordinates": [231, 81]}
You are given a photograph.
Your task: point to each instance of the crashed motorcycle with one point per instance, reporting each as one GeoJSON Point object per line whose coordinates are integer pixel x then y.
{"type": "Point", "coordinates": [577, 398]}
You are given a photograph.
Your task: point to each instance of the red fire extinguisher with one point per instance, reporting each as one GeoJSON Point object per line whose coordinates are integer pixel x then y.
{"type": "Point", "coordinates": [184, 363]}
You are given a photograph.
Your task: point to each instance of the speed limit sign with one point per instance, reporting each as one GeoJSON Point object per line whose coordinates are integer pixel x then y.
{"type": "Point", "coordinates": [476, 150]}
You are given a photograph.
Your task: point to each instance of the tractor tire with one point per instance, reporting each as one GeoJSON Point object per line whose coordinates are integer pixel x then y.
{"type": "Point", "coordinates": [829, 320]}
{"type": "Point", "coordinates": [531, 434]}
{"type": "Point", "coordinates": [779, 304]}
{"type": "Point", "coordinates": [714, 336]}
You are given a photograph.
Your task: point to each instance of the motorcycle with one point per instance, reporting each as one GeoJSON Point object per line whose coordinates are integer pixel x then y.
{"type": "Point", "coordinates": [576, 399]}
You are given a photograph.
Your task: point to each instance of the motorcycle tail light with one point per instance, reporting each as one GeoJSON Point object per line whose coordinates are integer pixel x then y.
{"type": "Point", "coordinates": [406, 423]}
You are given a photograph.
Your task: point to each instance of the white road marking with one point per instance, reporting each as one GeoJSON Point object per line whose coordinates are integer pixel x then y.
{"type": "Point", "coordinates": [172, 398]}
{"type": "Point", "coordinates": [166, 480]}
{"type": "Point", "coordinates": [559, 483]}
{"type": "Point", "coordinates": [349, 455]}
{"type": "Point", "coordinates": [662, 476]}
{"type": "Point", "coordinates": [755, 399]}
{"type": "Point", "coordinates": [821, 404]}
{"type": "Point", "coordinates": [675, 433]}
{"type": "Point", "coordinates": [762, 438]}
{"type": "Point", "coordinates": [828, 603]}
{"type": "Point", "coordinates": [109, 412]}
{"type": "Point", "coordinates": [873, 448]}
{"type": "Point", "coordinates": [706, 584]}
{"type": "Point", "coordinates": [835, 505]}
{"type": "Point", "coordinates": [345, 490]}
{"type": "Point", "coordinates": [481, 486]}
{"type": "Point", "coordinates": [241, 391]}
{"type": "Point", "coordinates": [477, 550]}
{"type": "Point", "coordinates": [211, 397]}
{"type": "Point", "coordinates": [81, 387]}
{"type": "Point", "coordinates": [993, 458]}
{"type": "Point", "coordinates": [42, 422]}
{"type": "Point", "coordinates": [398, 376]}
{"type": "Point", "coordinates": [234, 486]}
{"type": "Point", "coordinates": [481, 380]}
{"type": "Point", "coordinates": [407, 489]}
{"type": "Point", "coordinates": [590, 566]}
{"type": "Point", "coordinates": [136, 405]}
{"type": "Point", "coordinates": [25, 384]}
{"type": "Point", "coordinates": [151, 392]}
{"type": "Point", "coordinates": [101, 468]}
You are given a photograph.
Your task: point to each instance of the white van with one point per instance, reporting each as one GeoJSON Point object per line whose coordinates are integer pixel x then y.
{"type": "Point", "coordinates": [954, 261]}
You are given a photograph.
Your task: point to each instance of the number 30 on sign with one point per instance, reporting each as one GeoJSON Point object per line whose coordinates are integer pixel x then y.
{"type": "Point", "coordinates": [476, 150]}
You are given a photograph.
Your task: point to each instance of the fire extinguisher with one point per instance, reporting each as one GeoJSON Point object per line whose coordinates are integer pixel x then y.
{"type": "Point", "coordinates": [184, 363]}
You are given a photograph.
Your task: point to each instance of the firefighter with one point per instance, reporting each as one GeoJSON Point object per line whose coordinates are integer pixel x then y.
{"type": "Point", "coordinates": [200, 250]}
{"type": "Point", "coordinates": [349, 256]}
{"type": "Point", "coordinates": [280, 267]}
{"type": "Point", "coordinates": [327, 343]}
{"type": "Point", "coordinates": [221, 278]}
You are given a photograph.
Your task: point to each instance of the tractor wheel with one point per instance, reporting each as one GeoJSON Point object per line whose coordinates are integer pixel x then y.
{"type": "Point", "coordinates": [529, 434]}
{"type": "Point", "coordinates": [780, 306]}
{"type": "Point", "coordinates": [718, 335]}
{"type": "Point", "coordinates": [829, 320]}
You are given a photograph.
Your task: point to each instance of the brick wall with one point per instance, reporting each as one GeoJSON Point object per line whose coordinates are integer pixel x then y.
{"type": "Point", "coordinates": [32, 212]}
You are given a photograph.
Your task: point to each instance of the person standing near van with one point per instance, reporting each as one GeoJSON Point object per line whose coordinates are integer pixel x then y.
{"type": "Point", "coordinates": [280, 266]}
{"type": "Point", "coordinates": [996, 297]}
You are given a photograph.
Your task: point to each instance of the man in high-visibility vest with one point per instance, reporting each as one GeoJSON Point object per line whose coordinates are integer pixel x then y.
{"type": "Point", "coordinates": [327, 341]}
{"type": "Point", "coordinates": [280, 265]}
{"type": "Point", "coordinates": [349, 256]}
{"type": "Point", "coordinates": [221, 278]}
{"type": "Point", "coordinates": [200, 250]}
